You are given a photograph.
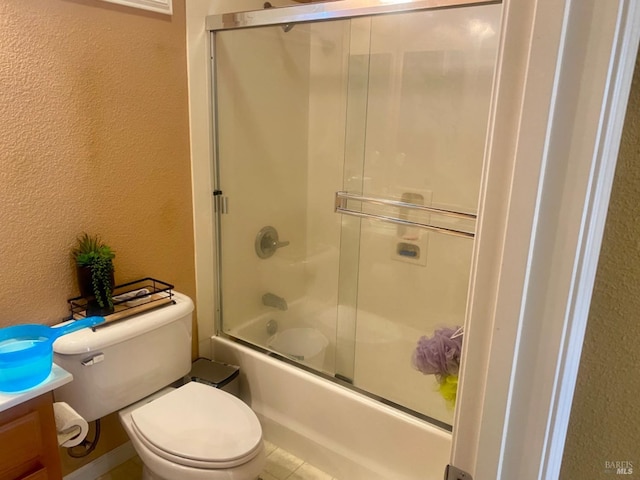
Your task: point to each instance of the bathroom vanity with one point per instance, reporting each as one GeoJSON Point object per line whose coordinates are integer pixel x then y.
{"type": "Point", "coordinates": [28, 440]}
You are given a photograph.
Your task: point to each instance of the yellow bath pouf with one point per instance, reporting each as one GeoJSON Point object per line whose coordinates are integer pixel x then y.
{"type": "Point", "coordinates": [449, 388]}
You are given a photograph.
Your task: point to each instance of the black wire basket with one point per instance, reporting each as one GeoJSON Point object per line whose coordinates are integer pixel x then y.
{"type": "Point", "coordinates": [129, 299]}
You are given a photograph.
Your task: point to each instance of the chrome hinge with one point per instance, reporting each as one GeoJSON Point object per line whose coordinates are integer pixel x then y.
{"type": "Point", "coordinates": [453, 473]}
{"type": "Point", "coordinates": [220, 202]}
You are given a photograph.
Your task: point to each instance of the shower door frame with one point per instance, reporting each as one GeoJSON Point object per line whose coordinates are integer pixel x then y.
{"type": "Point", "coordinates": [332, 10]}
{"type": "Point", "coordinates": [533, 117]}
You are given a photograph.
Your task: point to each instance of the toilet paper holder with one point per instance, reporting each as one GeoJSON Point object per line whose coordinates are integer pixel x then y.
{"type": "Point", "coordinates": [71, 428]}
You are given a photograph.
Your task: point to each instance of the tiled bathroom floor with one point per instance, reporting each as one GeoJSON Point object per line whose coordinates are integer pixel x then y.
{"type": "Point", "coordinates": [281, 465]}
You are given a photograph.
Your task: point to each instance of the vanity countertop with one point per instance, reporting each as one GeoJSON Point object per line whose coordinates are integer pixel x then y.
{"type": "Point", "coordinates": [57, 378]}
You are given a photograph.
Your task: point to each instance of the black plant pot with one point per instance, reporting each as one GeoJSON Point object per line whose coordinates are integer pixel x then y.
{"type": "Point", "coordinates": [85, 284]}
{"type": "Point", "coordinates": [95, 310]}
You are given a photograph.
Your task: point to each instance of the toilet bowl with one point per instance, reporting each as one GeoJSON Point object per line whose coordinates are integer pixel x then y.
{"type": "Point", "coordinates": [218, 436]}
{"type": "Point", "coordinates": [193, 432]}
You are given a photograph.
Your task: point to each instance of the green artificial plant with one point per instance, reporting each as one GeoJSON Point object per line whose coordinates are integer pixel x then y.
{"type": "Point", "coordinates": [93, 255]}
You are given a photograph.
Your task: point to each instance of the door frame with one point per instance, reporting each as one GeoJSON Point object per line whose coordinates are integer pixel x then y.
{"type": "Point", "coordinates": [560, 94]}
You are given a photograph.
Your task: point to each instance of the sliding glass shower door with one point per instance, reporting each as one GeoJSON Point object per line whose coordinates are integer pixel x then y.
{"type": "Point", "coordinates": [349, 158]}
{"type": "Point", "coordinates": [280, 102]}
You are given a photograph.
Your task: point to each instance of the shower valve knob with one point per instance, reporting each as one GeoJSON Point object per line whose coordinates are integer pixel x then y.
{"type": "Point", "coordinates": [267, 242]}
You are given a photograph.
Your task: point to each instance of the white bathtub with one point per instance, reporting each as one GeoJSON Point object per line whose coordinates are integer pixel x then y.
{"type": "Point", "coordinates": [379, 354]}
{"type": "Point", "coordinates": [348, 435]}
{"type": "Point", "coordinates": [300, 314]}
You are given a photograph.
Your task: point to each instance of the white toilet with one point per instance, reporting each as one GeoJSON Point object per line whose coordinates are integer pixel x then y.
{"type": "Point", "coordinates": [193, 432]}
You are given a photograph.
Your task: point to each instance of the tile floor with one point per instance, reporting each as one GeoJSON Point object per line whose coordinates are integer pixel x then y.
{"type": "Point", "coordinates": [129, 470]}
{"type": "Point", "coordinates": [281, 465]}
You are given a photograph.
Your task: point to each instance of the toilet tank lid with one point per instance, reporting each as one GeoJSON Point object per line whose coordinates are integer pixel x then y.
{"type": "Point", "coordinates": [88, 340]}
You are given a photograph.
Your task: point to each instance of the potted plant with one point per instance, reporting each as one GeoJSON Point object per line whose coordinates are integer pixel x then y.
{"type": "Point", "coordinates": [94, 265]}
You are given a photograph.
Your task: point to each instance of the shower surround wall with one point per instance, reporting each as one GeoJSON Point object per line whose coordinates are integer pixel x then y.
{"type": "Point", "coordinates": [368, 105]}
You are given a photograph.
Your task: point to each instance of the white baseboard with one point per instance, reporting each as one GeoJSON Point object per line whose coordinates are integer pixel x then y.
{"type": "Point", "coordinates": [103, 464]}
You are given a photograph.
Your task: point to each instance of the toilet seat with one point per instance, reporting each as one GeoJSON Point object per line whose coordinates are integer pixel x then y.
{"type": "Point", "coordinates": [199, 426]}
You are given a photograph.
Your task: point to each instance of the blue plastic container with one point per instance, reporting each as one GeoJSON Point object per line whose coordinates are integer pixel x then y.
{"type": "Point", "coordinates": [26, 352]}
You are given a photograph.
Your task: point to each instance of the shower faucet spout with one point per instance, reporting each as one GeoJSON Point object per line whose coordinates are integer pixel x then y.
{"type": "Point", "coordinates": [271, 300]}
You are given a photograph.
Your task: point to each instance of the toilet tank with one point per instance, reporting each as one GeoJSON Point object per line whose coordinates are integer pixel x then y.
{"type": "Point", "coordinates": [122, 362]}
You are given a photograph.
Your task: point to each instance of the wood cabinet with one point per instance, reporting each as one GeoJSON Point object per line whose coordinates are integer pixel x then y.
{"type": "Point", "coordinates": [28, 441]}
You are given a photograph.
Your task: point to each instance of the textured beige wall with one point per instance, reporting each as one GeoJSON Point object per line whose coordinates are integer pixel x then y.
{"type": "Point", "coordinates": [604, 425]}
{"type": "Point", "coordinates": [94, 137]}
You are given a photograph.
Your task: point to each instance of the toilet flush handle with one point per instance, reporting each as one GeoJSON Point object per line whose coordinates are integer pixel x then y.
{"type": "Point", "coordinates": [97, 358]}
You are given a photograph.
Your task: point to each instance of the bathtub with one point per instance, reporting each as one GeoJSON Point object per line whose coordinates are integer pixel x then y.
{"type": "Point", "coordinates": [256, 331]}
{"type": "Point", "coordinates": [344, 433]}
{"type": "Point", "coordinates": [379, 353]}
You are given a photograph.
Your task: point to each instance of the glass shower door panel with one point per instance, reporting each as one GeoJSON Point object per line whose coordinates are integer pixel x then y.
{"type": "Point", "coordinates": [430, 77]}
{"type": "Point", "coordinates": [357, 94]}
{"type": "Point", "coordinates": [280, 146]}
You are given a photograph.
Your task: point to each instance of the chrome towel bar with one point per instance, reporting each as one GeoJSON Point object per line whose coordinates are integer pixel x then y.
{"type": "Point", "coordinates": [343, 197]}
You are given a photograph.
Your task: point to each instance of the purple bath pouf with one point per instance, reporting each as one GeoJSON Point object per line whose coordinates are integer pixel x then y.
{"type": "Point", "coordinates": [440, 354]}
